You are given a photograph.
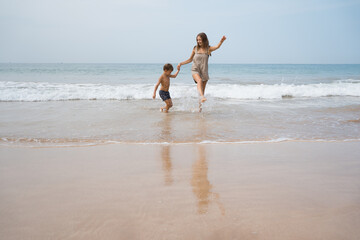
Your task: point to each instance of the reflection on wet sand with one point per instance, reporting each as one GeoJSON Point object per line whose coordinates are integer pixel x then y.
{"type": "Point", "coordinates": [167, 164]}
{"type": "Point", "coordinates": [354, 121]}
{"type": "Point", "coordinates": [201, 184]}
{"type": "Point", "coordinates": [199, 181]}
{"type": "Point", "coordinates": [165, 154]}
{"type": "Point", "coordinates": [165, 151]}
{"type": "Point", "coordinates": [165, 124]}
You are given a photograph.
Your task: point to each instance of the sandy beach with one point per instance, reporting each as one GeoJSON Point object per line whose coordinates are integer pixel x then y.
{"type": "Point", "coordinates": [272, 154]}
{"type": "Point", "coordinates": [289, 190]}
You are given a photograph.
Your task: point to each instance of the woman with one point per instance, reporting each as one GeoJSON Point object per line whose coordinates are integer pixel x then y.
{"type": "Point", "coordinates": [200, 57]}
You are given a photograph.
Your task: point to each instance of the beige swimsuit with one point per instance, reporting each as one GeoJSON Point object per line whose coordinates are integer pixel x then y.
{"type": "Point", "coordinates": [200, 65]}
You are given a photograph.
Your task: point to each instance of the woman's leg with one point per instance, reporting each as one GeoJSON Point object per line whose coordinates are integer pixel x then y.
{"type": "Point", "coordinates": [204, 86]}
{"type": "Point", "coordinates": [200, 86]}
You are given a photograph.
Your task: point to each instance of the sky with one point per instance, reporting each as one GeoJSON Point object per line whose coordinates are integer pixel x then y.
{"type": "Point", "coordinates": [160, 31]}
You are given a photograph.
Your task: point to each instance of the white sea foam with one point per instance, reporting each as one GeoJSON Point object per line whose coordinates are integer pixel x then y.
{"type": "Point", "coordinates": [36, 142]}
{"type": "Point", "coordinates": [32, 91]}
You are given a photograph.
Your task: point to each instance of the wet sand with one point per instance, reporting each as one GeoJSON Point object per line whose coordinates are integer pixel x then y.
{"type": "Point", "coordinates": [290, 190]}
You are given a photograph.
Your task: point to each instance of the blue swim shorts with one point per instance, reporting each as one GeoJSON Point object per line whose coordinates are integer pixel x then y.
{"type": "Point", "coordinates": [164, 95]}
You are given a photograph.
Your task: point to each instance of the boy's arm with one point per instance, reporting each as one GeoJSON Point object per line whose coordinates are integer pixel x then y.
{"type": "Point", "coordinates": [211, 49]}
{"type": "Point", "coordinates": [156, 87]}
{"type": "Point", "coordinates": [174, 76]}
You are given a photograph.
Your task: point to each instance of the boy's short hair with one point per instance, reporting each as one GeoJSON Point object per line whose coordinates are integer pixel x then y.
{"type": "Point", "coordinates": [168, 66]}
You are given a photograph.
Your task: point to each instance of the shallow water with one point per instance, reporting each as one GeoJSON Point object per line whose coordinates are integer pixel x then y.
{"type": "Point", "coordinates": [77, 104]}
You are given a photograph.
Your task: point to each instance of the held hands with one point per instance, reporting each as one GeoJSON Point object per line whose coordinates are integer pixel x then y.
{"type": "Point", "coordinates": [178, 66]}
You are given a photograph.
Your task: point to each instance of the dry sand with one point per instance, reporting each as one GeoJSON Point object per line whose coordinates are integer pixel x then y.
{"type": "Point", "coordinates": [292, 190]}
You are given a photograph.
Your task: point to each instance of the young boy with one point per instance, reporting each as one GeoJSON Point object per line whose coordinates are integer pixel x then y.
{"type": "Point", "coordinates": [164, 80]}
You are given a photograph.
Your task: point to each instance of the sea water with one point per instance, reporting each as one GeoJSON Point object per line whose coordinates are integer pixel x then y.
{"type": "Point", "coordinates": [77, 104]}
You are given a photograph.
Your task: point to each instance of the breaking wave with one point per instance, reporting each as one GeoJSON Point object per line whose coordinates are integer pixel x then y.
{"type": "Point", "coordinates": [33, 91]}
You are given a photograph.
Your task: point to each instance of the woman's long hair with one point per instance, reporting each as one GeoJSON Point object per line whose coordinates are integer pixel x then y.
{"type": "Point", "coordinates": [204, 39]}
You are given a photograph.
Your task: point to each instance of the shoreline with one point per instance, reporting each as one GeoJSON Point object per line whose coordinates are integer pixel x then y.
{"type": "Point", "coordinates": [287, 190]}
{"type": "Point", "coordinates": [57, 143]}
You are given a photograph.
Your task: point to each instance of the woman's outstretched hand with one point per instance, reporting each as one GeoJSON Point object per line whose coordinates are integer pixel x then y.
{"type": "Point", "coordinates": [223, 39]}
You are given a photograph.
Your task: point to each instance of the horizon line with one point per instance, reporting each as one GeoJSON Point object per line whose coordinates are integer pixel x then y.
{"type": "Point", "coordinates": [170, 62]}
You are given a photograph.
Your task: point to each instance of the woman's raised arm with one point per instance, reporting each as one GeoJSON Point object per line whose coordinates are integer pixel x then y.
{"type": "Point", "coordinates": [211, 49]}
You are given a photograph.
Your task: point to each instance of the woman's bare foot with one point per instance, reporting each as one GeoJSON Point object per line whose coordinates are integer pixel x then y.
{"type": "Point", "coordinates": [203, 99]}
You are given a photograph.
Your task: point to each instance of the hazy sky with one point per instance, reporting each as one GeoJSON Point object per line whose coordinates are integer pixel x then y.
{"type": "Point", "coordinates": [159, 31]}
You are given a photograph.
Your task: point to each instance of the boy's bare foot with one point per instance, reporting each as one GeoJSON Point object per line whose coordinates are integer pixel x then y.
{"type": "Point", "coordinates": [163, 109]}
{"type": "Point", "coordinates": [203, 99]}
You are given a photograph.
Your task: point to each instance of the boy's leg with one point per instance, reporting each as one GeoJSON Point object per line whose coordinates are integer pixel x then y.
{"type": "Point", "coordinates": [168, 105]}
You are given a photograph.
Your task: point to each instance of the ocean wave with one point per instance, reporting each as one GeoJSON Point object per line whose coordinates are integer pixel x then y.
{"type": "Point", "coordinates": [42, 91]}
